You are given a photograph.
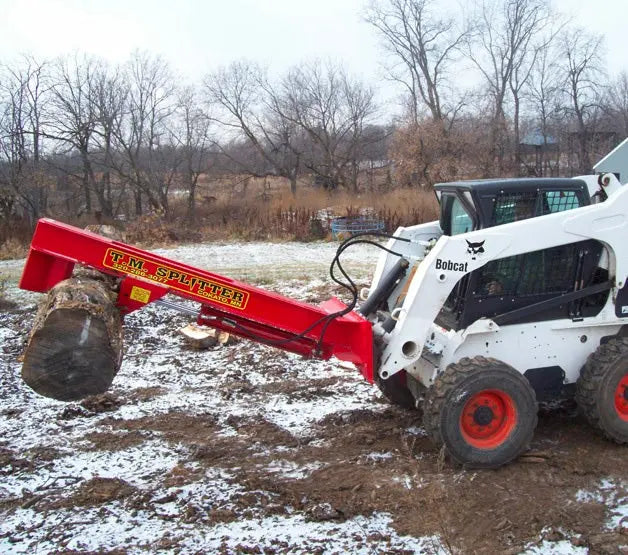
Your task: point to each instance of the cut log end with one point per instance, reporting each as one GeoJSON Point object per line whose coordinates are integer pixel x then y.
{"type": "Point", "coordinates": [203, 338]}
{"type": "Point", "coordinates": [75, 349]}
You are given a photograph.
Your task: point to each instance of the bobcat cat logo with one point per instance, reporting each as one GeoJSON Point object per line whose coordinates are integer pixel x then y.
{"type": "Point", "coordinates": [475, 248]}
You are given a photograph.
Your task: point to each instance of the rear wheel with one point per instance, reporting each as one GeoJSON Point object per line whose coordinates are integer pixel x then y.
{"type": "Point", "coordinates": [483, 410]}
{"type": "Point", "coordinates": [602, 389]}
{"type": "Point", "coordinates": [394, 388]}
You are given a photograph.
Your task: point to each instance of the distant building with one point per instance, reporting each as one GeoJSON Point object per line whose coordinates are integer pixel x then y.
{"type": "Point", "coordinates": [539, 155]}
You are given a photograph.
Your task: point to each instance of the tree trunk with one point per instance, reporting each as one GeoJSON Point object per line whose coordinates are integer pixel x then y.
{"type": "Point", "coordinates": [191, 217]}
{"type": "Point", "coordinates": [75, 347]}
{"type": "Point", "coordinates": [88, 198]}
{"type": "Point", "coordinates": [106, 177]}
{"type": "Point", "coordinates": [293, 185]}
{"type": "Point", "coordinates": [192, 181]}
{"type": "Point", "coordinates": [517, 138]}
{"type": "Point", "coordinates": [138, 203]}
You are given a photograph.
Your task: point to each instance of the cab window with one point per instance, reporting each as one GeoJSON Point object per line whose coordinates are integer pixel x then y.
{"type": "Point", "coordinates": [512, 207]}
{"type": "Point", "coordinates": [461, 222]}
{"type": "Point", "coordinates": [559, 201]}
{"type": "Point", "coordinates": [454, 217]}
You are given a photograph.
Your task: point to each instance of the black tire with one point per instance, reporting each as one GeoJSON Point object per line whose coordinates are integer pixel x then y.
{"type": "Point", "coordinates": [396, 391]}
{"type": "Point", "coordinates": [602, 389]}
{"type": "Point", "coordinates": [482, 410]}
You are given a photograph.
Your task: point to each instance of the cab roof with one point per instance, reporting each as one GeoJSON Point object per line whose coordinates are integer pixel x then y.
{"type": "Point", "coordinates": [515, 184]}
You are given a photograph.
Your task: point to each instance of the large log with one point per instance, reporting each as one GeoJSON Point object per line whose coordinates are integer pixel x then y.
{"type": "Point", "coordinates": [75, 348]}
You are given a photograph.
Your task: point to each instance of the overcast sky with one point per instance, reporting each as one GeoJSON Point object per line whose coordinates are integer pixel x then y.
{"type": "Point", "coordinates": [197, 36]}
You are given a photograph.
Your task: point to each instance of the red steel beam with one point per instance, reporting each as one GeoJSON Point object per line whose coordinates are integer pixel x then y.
{"type": "Point", "coordinates": [228, 304]}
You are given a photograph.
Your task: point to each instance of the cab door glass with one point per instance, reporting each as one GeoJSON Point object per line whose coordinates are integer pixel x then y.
{"type": "Point", "coordinates": [461, 222]}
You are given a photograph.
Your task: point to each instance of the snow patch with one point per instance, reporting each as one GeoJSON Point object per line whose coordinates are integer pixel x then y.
{"type": "Point", "coordinates": [140, 466]}
{"type": "Point", "coordinates": [290, 469]}
{"type": "Point", "coordinates": [613, 494]}
{"type": "Point", "coordinates": [98, 530]}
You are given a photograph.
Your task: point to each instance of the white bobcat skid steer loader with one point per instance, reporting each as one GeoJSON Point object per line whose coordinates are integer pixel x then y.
{"type": "Point", "coordinates": [517, 295]}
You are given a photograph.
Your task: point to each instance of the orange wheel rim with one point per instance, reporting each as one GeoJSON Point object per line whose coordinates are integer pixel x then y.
{"type": "Point", "coordinates": [488, 418]}
{"type": "Point", "coordinates": [621, 398]}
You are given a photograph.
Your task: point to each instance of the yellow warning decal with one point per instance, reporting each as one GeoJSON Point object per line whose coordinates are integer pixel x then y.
{"type": "Point", "coordinates": [140, 295]}
{"type": "Point", "coordinates": [202, 287]}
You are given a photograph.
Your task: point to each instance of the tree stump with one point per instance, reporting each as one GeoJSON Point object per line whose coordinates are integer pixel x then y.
{"type": "Point", "coordinates": [75, 348]}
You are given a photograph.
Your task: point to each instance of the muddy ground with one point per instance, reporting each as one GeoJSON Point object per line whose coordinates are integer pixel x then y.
{"type": "Point", "coordinates": [246, 449]}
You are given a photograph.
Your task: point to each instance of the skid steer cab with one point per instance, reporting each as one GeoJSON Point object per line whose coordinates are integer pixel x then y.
{"type": "Point", "coordinates": [516, 295]}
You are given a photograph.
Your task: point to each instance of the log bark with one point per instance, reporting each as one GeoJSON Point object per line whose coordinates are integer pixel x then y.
{"type": "Point", "coordinates": [75, 348]}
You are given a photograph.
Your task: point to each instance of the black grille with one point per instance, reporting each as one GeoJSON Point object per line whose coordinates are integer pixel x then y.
{"type": "Point", "coordinates": [512, 207]}
{"type": "Point", "coordinates": [535, 273]}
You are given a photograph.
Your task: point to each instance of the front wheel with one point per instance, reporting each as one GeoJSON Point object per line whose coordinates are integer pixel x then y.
{"type": "Point", "coordinates": [482, 410]}
{"type": "Point", "coordinates": [602, 389]}
{"type": "Point", "coordinates": [395, 390]}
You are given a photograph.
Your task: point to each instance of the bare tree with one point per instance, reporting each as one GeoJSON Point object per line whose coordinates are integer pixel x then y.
{"type": "Point", "coordinates": [74, 119]}
{"type": "Point", "coordinates": [617, 101]}
{"type": "Point", "coordinates": [109, 96]}
{"type": "Point", "coordinates": [584, 73]}
{"type": "Point", "coordinates": [192, 138]}
{"type": "Point", "coordinates": [36, 88]}
{"type": "Point", "coordinates": [249, 108]}
{"type": "Point", "coordinates": [332, 109]}
{"type": "Point", "coordinates": [423, 47]}
{"type": "Point", "coordinates": [543, 28]}
{"type": "Point", "coordinates": [544, 95]}
{"type": "Point", "coordinates": [24, 93]}
{"type": "Point", "coordinates": [504, 49]}
{"type": "Point", "coordinates": [149, 104]}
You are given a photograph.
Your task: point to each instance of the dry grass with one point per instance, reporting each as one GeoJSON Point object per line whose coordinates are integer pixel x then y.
{"type": "Point", "coordinates": [5, 302]}
{"type": "Point", "coordinates": [13, 248]}
{"type": "Point", "coordinates": [280, 216]}
{"type": "Point", "coordinates": [261, 209]}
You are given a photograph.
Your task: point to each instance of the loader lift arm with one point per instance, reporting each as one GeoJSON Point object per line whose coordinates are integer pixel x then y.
{"type": "Point", "coordinates": [330, 329]}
